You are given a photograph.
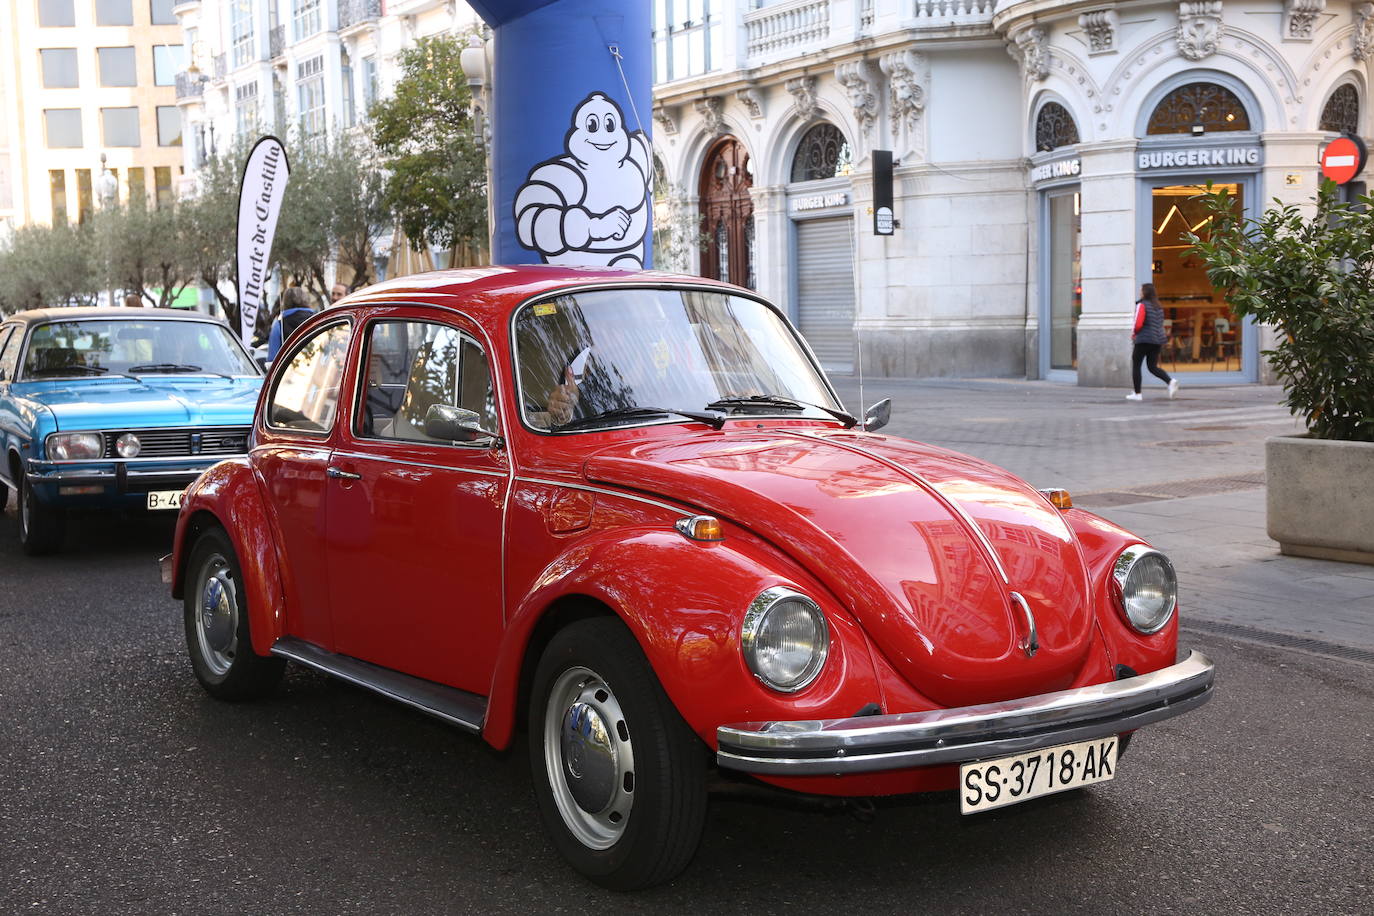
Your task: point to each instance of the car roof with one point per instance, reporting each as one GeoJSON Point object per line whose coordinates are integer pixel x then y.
{"type": "Point", "coordinates": [39, 316]}
{"type": "Point", "coordinates": [491, 293]}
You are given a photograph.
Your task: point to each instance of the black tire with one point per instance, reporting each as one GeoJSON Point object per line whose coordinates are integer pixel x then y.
{"type": "Point", "coordinates": [41, 527]}
{"type": "Point", "coordinates": [217, 630]}
{"type": "Point", "coordinates": [652, 783]}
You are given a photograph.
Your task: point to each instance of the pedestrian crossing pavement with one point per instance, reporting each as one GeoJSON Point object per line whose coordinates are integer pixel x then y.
{"type": "Point", "coordinates": [1263, 415]}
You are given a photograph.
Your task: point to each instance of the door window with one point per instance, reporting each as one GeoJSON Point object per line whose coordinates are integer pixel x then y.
{"type": "Point", "coordinates": [306, 393]}
{"type": "Point", "coordinates": [413, 365]}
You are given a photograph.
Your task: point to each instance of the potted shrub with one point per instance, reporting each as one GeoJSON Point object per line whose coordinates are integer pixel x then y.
{"type": "Point", "coordinates": [1311, 277]}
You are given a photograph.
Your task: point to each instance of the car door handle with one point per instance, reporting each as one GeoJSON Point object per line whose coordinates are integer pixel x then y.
{"type": "Point", "coordinates": [341, 474]}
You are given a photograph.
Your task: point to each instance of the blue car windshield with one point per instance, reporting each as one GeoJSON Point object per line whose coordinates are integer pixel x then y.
{"type": "Point", "coordinates": [79, 349]}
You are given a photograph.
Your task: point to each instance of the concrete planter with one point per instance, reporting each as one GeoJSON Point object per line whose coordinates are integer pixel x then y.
{"type": "Point", "coordinates": [1321, 497]}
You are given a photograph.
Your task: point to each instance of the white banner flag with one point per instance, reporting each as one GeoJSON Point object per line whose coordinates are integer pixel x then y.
{"type": "Point", "coordinates": [260, 194]}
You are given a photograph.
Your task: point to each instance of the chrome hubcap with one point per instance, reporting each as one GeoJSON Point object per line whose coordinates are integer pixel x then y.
{"type": "Point", "coordinates": [589, 757]}
{"type": "Point", "coordinates": [217, 616]}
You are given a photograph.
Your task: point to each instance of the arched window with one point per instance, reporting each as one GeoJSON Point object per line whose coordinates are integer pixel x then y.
{"type": "Point", "coordinates": [1197, 108]}
{"type": "Point", "coordinates": [1342, 111]}
{"type": "Point", "coordinates": [823, 153]}
{"type": "Point", "coordinates": [1054, 127]}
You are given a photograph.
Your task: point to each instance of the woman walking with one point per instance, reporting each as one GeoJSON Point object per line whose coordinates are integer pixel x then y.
{"type": "Point", "coordinates": [1149, 337]}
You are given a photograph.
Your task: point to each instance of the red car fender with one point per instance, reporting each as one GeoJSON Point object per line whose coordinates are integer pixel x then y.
{"type": "Point", "coordinates": [227, 495]}
{"type": "Point", "coordinates": [1102, 542]}
{"type": "Point", "coordinates": [684, 602]}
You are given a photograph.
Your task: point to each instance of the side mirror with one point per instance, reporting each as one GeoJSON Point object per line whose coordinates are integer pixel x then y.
{"type": "Point", "coordinates": [454, 424]}
{"type": "Point", "coordinates": [876, 417]}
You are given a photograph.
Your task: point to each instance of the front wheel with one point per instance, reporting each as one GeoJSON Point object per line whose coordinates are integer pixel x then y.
{"type": "Point", "coordinates": [620, 778]}
{"type": "Point", "coordinates": [216, 618]}
{"type": "Point", "coordinates": [41, 527]}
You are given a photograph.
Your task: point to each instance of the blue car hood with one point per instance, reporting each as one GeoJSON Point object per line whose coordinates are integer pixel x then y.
{"type": "Point", "coordinates": [113, 403]}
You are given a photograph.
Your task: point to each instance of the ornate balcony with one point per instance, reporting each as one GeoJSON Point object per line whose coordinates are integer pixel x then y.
{"type": "Point", "coordinates": [220, 68]}
{"type": "Point", "coordinates": [189, 86]}
{"type": "Point", "coordinates": [276, 42]}
{"type": "Point", "coordinates": [357, 12]}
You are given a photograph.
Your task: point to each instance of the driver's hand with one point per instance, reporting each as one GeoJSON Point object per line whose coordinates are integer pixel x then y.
{"type": "Point", "coordinates": [563, 399]}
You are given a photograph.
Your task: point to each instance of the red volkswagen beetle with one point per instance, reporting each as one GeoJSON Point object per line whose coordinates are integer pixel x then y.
{"type": "Point", "coordinates": [627, 513]}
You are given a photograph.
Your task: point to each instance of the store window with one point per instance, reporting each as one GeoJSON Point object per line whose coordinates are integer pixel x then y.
{"type": "Point", "coordinates": [119, 126]}
{"type": "Point", "coordinates": [1341, 112]}
{"type": "Point", "coordinates": [117, 66]}
{"type": "Point", "coordinates": [823, 153]}
{"type": "Point", "coordinates": [1204, 333]}
{"type": "Point", "coordinates": [59, 68]}
{"type": "Point", "coordinates": [63, 126]}
{"type": "Point", "coordinates": [114, 12]}
{"type": "Point", "coordinates": [1054, 127]}
{"type": "Point", "coordinates": [1198, 108]}
{"type": "Point", "coordinates": [1065, 291]}
{"type": "Point", "coordinates": [56, 13]}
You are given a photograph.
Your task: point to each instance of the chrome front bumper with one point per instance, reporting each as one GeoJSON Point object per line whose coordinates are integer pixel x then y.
{"type": "Point", "coordinates": [837, 747]}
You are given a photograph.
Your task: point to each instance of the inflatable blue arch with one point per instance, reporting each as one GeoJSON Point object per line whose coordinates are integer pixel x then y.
{"type": "Point", "coordinates": [571, 108]}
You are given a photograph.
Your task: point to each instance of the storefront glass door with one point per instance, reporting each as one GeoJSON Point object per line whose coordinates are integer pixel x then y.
{"type": "Point", "coordinates": [1204, 334]}
{"type": "Point", "coordinates": [1065, 288]}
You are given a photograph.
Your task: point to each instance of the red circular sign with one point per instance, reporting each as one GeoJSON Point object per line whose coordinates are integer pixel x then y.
{"type": "Point", "coordinates": [1342, 159]}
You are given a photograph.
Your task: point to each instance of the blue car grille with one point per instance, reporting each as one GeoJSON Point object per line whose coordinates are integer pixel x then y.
{"type": "Point", "coordinates": [174, 443]}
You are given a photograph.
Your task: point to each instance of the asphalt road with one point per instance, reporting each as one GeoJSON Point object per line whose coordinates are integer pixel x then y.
{"type": "Point", "coordinates": [125, 789]}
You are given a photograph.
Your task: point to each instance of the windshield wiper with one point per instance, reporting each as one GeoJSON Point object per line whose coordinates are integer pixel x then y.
{"type": "Point", "coordinates": [775, 401]}
{"type": "Point", "coordinates": [63, 370]}
{"type": "Point", "coordinates": [714, 419]}
{"type": "Point", "coordinates": [165, 367]}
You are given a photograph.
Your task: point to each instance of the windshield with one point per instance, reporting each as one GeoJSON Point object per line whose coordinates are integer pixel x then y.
{"type": "Point", "coordinates": [74, 349]}
{"type": "Point", "coordinates": [601, 358]}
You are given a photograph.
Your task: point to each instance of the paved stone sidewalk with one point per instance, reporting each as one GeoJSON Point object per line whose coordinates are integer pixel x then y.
{"type": "Point", "coordinates": [1200, 456]}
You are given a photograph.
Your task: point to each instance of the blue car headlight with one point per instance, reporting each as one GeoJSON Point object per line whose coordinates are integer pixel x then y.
{"type": "Point", "coordinates": [74, 446]}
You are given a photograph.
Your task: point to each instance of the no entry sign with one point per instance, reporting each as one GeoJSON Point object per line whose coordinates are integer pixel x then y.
{"type": "Point", "coordinates": [1343, 159]}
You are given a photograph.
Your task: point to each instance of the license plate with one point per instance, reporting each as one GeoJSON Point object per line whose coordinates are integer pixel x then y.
{"type": "Point", "coordinates": [165, 499]}
{"type": "Point", "coordinates": [990, 784]}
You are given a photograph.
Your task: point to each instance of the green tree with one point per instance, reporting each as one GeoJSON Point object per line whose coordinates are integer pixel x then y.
{"type": "Point", "coordinates": [47, 266]}
{"type": "Point", "coordinates": [1312, 277]}
{"type": "Point", "coordinates": [140, 250]}
{"type": "Point", "coordinates": [437, 184]}
{"type": "Point", "coordinates": [209, 226]}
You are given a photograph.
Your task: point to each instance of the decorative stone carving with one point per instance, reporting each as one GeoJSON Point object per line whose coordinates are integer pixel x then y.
{"type": "Point", "coordinates": [803, 90]}
{"type": "Point", "coordinates": [1299, 17]}
{"type": "Point", "coordinates": [1362, 42]}
{"type": "Point", "coordinates": [1101, 28]}
{"type": "Point", "coordinates": [749, 98]}
{"type": "Point", "coordinates": [905, 70]}
{"type": "Point", "coordinates": [665, 120]}
{"type": "Point", "coordinates": [1199, 28]}
{"type": "Point", "coordinates": [857, 79]}
{"type": "Point", "coordinates": [1031, 47]}
{"type": "Point", "coordinates": [711, 111]}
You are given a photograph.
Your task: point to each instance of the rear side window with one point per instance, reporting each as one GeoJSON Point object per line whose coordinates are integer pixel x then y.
{"type": "Point", "coordinates": [305, 396]}
{"type": "Point", "coordinates": [9, 352]}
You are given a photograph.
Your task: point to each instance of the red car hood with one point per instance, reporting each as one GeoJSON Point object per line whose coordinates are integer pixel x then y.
{"type": "Point", "coordinates": [889, 526]}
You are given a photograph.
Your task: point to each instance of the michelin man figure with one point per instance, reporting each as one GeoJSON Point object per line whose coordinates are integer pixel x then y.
{"type": "Point", "coordinates": [590, 206]}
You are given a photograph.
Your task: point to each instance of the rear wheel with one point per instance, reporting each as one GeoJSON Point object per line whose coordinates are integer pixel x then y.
{"type": "Point", "coordinates": [620, 778]}
{"type": "Point", "coordinates": [217, 629]}
{"type": "Point", "coordinates": [41, 527]}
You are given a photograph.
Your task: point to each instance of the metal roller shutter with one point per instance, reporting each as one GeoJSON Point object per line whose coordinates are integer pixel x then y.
{"type": "Point", "coordinates": [825, 289]}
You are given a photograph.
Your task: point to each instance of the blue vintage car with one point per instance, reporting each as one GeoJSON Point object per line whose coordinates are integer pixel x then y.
{"type": "Point", "coordinates": [115, 408]}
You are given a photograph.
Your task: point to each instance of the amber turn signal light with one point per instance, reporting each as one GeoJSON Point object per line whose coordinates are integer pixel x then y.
{"type": "Point", "coordinates": [701, 528]}
{"type": "Point", "coordinates": [1060, 499]}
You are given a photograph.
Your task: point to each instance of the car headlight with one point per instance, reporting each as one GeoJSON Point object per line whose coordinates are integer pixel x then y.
{"type": "Point", "coordinates": [128, 446]}
{"type": "Point", "coordinates": [1146, 587]}
{"type": "Point", "coordinates": [71, 446]}
{"type": "Point", "coordinates": [785, 639]}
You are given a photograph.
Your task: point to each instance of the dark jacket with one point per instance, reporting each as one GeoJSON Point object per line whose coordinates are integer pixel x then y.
{"type": "Point", "coordinates": [1149, 323]}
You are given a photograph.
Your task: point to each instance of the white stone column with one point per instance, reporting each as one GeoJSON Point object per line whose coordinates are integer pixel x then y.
{"type": "Point", "coordinates": [1108, 249]}
{"type": "Point", "coordinates": [772, 245]}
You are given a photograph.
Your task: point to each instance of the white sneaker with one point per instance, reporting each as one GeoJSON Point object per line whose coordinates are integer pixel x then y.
{"type": "Point", "coordinates": [1173, 387]}
{"type": "Point", "coordinates": [1134, 397]}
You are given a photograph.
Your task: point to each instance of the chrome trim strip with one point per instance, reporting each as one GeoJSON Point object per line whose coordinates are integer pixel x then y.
{"type": "Point", "coordinates": [589, 489]}
{"type": "Point", "coordinates": [929, 487]}
{"type": "Point", "coordinates": [363, 456]}
{"type": "Point", "coordinates": [905, 740]}
{"type": "Point", "coordinates": [1031, 644]}
{"type": "Point", "coordinates": [78, 463]}
{"type": "Point", "coordinates": [458, 707]}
